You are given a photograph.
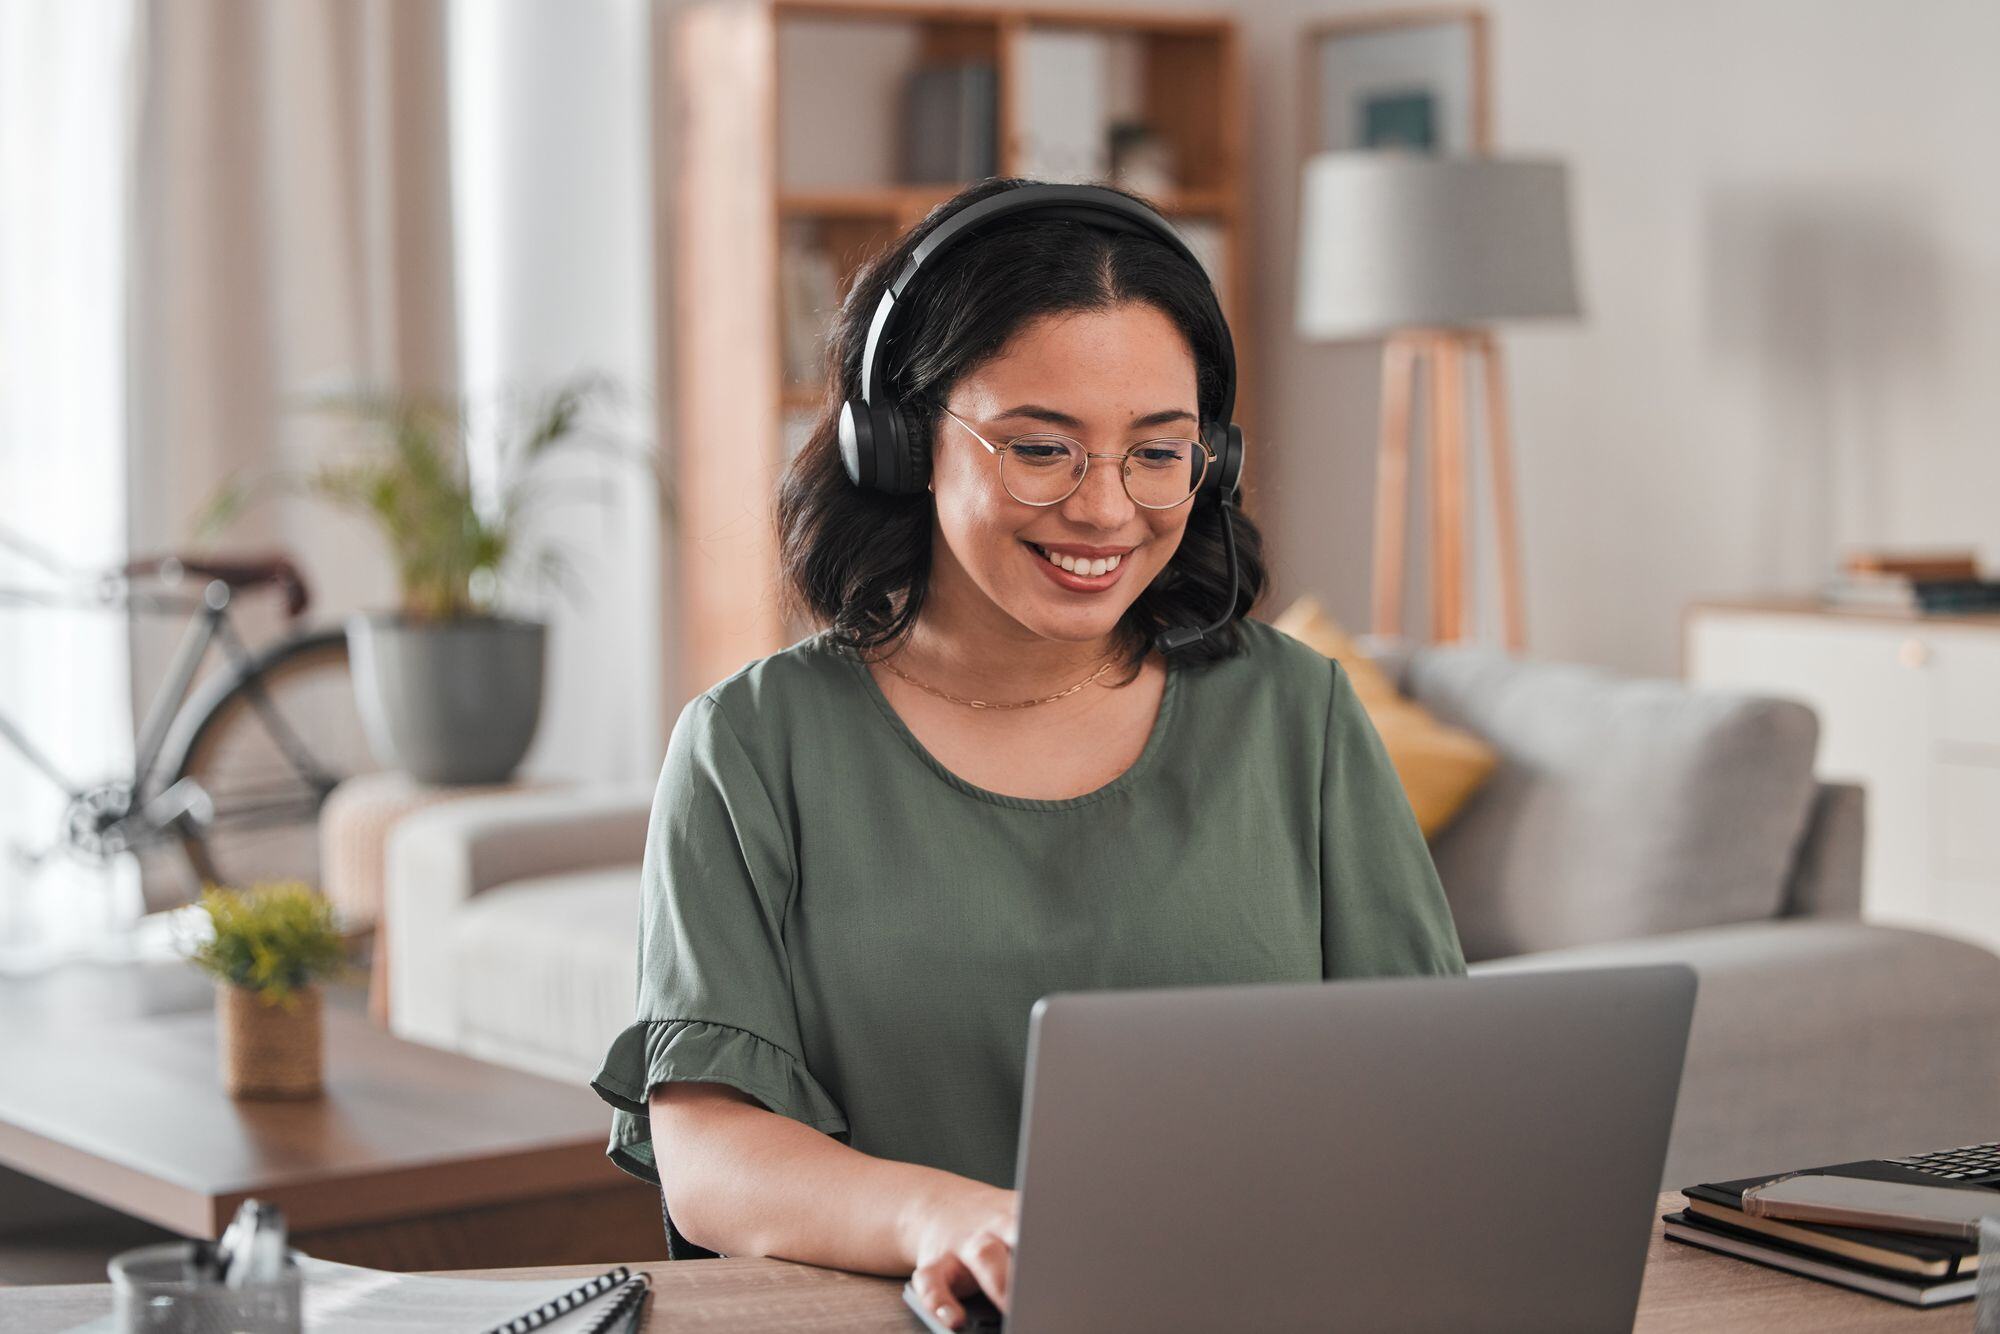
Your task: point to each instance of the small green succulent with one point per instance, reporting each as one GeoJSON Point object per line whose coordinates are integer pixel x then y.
{"type": "Point", "coordinates": [272, 938]}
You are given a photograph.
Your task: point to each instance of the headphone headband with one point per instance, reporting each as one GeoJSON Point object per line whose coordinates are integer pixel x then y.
{"type": "Point", "coordinates": [1092, 205]}
{"type": "Point", "coordinates": [882, 444]}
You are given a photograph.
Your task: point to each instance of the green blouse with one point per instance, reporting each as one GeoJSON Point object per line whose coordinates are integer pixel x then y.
{"type": "Point", "coordinates": [839, 926]}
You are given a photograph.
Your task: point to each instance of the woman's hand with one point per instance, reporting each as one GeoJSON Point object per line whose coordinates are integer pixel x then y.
{"type": "Point", "coordinates": [964, 1242]}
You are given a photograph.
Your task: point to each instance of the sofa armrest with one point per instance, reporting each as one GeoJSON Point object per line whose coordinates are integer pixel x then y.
{"type": "Point", "coordinates": [1826, 875]}
{"type": "Point", "coordinates": [438, 858]}
{"type": "Point", "coordinates": [1819, 1041]}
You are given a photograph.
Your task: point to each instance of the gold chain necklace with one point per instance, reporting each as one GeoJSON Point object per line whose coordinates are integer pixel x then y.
{"type": "Point", "coordinates": [1109, 663]}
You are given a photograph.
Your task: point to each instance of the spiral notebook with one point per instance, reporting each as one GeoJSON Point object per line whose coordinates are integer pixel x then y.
{"type": "Point", "coordinates": [352, 1298]}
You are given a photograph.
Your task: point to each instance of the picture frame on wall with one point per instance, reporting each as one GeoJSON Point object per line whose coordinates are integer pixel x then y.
{"type": "Point", "coordinates": [1415, 80]}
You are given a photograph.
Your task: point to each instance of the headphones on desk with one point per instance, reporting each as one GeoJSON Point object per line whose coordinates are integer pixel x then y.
{"type": "Point", "coordinates": [882, 446]}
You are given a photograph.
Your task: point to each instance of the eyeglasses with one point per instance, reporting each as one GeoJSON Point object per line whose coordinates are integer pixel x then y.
{"type": "Point", "coordinates": [1045, 469]}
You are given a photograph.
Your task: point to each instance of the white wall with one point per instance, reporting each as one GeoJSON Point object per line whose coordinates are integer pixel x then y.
{"type": "Point", "coordinates": [1790, 256]}
{"type": "Point", "coordinates": [65, 158]}
{"type": "Point", "coordinates": [553, 177]}
{"type": "Point", "coordinates": [1789, 243]}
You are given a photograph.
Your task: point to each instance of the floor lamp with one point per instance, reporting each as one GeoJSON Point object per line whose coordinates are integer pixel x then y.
{"type": "Point", "coordinates": [1426, 253]}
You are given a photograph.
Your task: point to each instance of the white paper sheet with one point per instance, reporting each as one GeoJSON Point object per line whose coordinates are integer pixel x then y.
{"type": "Point", "coordinates": [342, 1298]}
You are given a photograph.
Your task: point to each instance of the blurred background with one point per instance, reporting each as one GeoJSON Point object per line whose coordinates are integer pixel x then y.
{"type": "Point", "coordinates": [264, 265]}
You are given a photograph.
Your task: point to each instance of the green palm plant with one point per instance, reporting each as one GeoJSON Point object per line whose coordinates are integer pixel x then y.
{"type": "Point", "coordinates": [449, 544]}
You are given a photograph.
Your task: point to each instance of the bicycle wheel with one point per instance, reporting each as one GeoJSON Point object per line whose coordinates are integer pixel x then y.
{"type": "Point", "coordinates": [267, 742]}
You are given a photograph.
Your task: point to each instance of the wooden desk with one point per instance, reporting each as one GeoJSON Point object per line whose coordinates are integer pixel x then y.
{"type": "Point", "coordinates": [1686, 1291]}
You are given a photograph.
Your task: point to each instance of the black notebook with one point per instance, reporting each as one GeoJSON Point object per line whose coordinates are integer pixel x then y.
{"type": "Point", "coordinates": [1899, 1253]}
{"type": "Point", "coordinates": [1745, 1245]}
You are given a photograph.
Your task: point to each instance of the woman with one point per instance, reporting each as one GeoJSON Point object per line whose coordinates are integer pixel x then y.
{"type": "Point", "coordinates": [982, 781]}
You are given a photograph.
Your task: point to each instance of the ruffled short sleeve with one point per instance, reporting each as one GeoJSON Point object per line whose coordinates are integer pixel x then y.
{"type": "Point", "coordinates": [715, 997]}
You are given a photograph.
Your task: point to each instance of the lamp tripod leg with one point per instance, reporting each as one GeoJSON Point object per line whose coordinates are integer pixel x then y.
{"type": "Point", "coordinates": [1448, 509]}
{"type": "Point", "coordinates": [1506, 521]}
{"type": "Point", "coordinates": [1392, 481]}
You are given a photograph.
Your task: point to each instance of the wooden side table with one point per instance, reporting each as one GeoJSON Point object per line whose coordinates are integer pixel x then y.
{"type": "Point", "coordinates": [354, 827]}
{"type": "Point", "coordinates": [413, 1158]}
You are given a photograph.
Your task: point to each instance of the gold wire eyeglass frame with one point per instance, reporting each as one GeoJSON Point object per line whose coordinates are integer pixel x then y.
{"type": "Point", "coordinates": [1124, 473]}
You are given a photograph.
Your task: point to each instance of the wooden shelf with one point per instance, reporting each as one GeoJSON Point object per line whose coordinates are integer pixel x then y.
{"type": "Point", "coordinates": [888, 202]}
{"type": "Point", "coordinates": [1214, 203]}
{"type": "Point", "coordinates": [892, 202]}
{"type": "Point", "coordinates": [1000, 16]}
{"type": "Point", "coordinates": [788, 116]}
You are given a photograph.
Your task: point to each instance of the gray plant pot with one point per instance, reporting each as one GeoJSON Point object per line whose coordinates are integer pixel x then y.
{"type": "Point", "coordinates": [448, 701]}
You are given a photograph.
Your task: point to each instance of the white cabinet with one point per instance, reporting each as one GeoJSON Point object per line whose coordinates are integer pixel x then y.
{"type": "Point", "coordinates": [1909, 707]}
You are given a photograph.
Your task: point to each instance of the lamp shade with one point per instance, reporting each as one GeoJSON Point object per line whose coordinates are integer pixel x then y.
{"type": "Point", "coordinates": [1397, 240]}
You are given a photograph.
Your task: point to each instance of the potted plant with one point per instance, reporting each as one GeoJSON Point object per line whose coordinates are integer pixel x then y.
{"type": "Point", "coordinates": [449, 688]}
{"type": "Point", "coordinates": [268, 948]}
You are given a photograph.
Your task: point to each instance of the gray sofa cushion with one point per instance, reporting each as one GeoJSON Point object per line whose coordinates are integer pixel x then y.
{"type": "Point", "coordinates": [1621, 807]}
{"type": "Point", "coordinates": [1820, 1042]}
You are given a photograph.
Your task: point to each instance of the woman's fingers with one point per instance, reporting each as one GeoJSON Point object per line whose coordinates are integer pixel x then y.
{"type": "Point", "coordinates": [989, 1258]}
{"type": "Point", "coordinates": [983, 1261]}
{"type": "Point", "coordinates": [935, 1282]}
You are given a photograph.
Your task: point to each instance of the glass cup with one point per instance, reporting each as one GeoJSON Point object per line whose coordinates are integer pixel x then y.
{"type": "Point", "coordinates": [160, 1290]}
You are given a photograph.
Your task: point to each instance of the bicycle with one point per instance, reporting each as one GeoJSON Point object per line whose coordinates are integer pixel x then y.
{"type": "Point", "coordinates": [232, 767]}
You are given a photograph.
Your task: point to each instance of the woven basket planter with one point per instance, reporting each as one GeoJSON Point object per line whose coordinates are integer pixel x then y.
{"type": "Point", "coordinates": [268, 1051]}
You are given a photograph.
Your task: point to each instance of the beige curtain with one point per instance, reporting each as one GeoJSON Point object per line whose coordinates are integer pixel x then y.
{"type": "Point", "coordinates": [291, 233]}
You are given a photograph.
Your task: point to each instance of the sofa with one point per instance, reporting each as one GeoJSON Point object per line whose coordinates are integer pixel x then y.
{"type": "Point", "coordinates": [1627, 821]}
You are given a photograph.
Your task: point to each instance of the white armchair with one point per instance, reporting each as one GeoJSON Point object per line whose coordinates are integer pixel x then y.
{"type": "Point", "coordinates": [509, 924]}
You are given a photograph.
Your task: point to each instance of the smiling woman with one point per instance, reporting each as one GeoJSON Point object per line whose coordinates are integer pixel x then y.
{"type": "Point", "coordinates": [1045, 326]}
{"type": "Point", "coordinates": [986, 779]}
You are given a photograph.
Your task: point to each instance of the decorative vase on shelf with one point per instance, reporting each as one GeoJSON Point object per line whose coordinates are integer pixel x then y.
{"type": "Point", "coordinates": [269, 1049]}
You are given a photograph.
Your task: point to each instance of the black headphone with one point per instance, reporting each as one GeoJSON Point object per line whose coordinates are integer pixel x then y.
{"type": "Point", "coordinates": [884, 449]}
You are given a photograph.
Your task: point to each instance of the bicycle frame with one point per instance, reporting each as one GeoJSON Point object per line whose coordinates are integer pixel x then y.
{"type": "Point", "coordinates": [194, 645]}
{"type": "Point", "coordinates": [152, 818]}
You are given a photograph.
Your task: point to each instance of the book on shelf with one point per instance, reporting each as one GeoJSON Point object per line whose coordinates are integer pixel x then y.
{"type": "Point", "coordinates": [1898, 592]}
{"type": "Point", "coordinates": [1912, 579]}
{"type": "Point", "coordinates": [1209, 244]}
{"type": "Point", "coordinates": [1065, 117]}
{"type": "Point", "coordinates": [808, 296]}
{"type": "Point", "coordinates": [950, 131]}
{"type": "Point", "coordinates": [1913, 563]}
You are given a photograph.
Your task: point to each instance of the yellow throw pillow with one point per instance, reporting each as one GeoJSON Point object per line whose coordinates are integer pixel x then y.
{"type": "Point", "coordinates": [1441, 767]}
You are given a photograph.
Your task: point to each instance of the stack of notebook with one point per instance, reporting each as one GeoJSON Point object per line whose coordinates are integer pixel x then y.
{"type": "Point", "coordinates": [1902, 1266]}
{"type": "Point", "coordinates": [1913, 581]}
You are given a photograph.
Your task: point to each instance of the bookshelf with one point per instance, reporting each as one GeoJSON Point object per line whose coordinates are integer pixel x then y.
{"type": "Point", "coordinates": [792, 144]}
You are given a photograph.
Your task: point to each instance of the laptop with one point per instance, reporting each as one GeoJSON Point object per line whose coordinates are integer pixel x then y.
{"type": "Point", "coordinates": [1384, 1154]}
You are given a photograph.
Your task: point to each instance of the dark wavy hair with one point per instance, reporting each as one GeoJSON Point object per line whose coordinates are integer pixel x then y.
{"type": "Point", "coordinates": [857, 562]}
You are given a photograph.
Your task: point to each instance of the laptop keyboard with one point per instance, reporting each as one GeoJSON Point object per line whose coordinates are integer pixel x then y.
{"type": "Point", "coordinates": [1975, 1164]}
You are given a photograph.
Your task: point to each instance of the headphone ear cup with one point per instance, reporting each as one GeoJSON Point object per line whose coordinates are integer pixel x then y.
{"type": "Point", "coordinates": [1226, 472]}
{"type": "Point", "coordinates": [877, 451]}
{"type": "Point", "coordinates": [857, 443]}
{"type": "Point", "coordinates": [915, 453]}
